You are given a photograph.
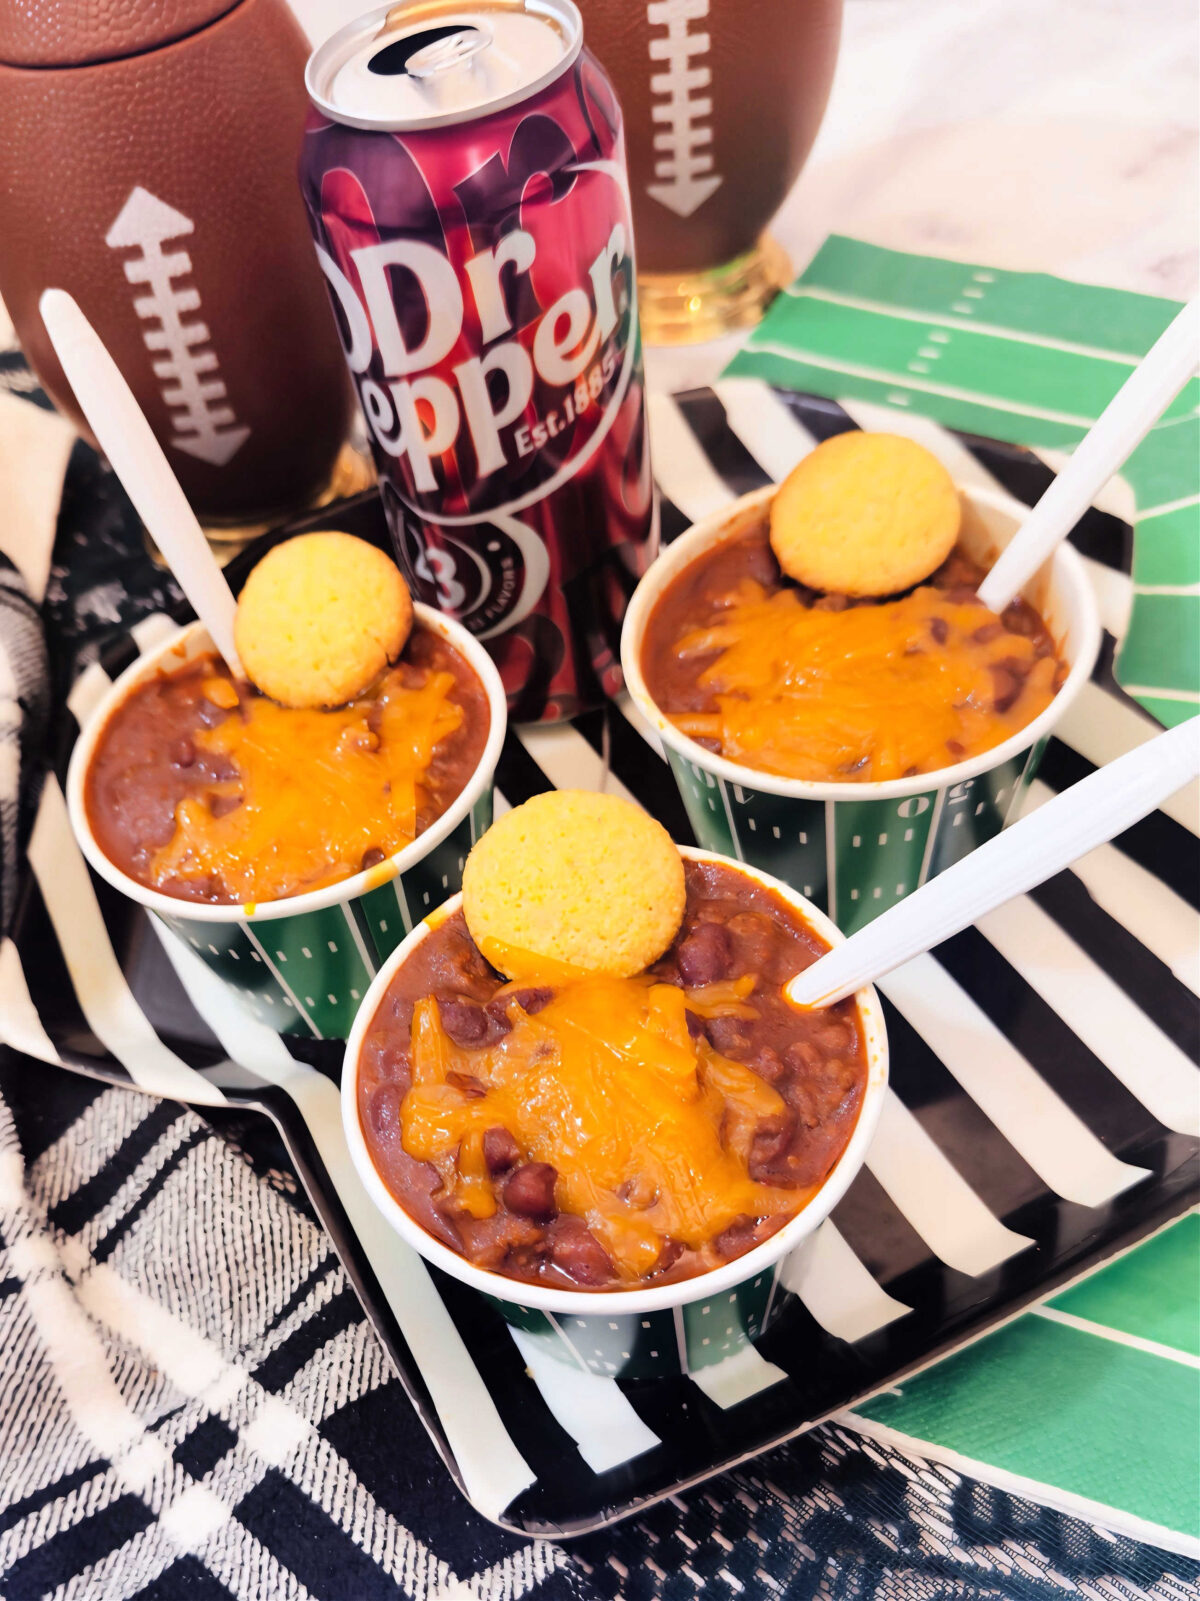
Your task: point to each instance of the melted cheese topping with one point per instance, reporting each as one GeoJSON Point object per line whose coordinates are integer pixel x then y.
{"type": "Point", "coordinates": [317, 789]}
{"type": "Point", "coordinates": [648, 1130]}
{"type": "Point", "coordinates": [868, 693]}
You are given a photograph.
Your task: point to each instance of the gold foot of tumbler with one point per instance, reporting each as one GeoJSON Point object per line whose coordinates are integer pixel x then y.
{"type": "Point", "coordinates": [685, 308]}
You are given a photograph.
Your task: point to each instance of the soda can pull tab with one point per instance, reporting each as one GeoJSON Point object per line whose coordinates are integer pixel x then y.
{"type": "Point", "coordinates": [454, 50]}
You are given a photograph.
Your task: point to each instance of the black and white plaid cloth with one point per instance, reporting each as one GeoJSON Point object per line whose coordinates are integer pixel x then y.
{"type": "Point", "coordinates": [192, 1404]}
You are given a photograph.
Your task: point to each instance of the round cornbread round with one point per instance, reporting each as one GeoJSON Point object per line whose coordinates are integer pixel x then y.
{"type": "Point", "coordinates": [576, 878]}
{"type": "Point", "coordinates": [865, 514]}
{"type": "Point", "coordinates": [320, 618]}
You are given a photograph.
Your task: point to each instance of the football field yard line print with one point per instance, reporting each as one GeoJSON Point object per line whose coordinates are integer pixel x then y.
{"type": "Point", "coordinates": [204, 427]}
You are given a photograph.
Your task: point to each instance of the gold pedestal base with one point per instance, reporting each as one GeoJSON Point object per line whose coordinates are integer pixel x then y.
{"type": "Point", "coordinates": [353, 471]}
{"type": "Point", "coordinates": [683, 308]}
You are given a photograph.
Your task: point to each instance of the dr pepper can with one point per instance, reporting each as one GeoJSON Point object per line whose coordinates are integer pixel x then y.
{"type": "Point", "coordinates": [464, 173]}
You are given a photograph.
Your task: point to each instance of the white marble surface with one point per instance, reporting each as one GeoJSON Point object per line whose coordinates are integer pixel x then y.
{"type": "Point", "coordinates": [1058, 135]}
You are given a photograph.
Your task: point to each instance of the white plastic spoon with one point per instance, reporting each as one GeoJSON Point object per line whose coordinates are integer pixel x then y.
{"type": "Point", "coordinates": [136, 457]}
{"type": "Point", "coordinates": [1124, 423]}
{"type": "Point", "coordinates": [1088, 814]}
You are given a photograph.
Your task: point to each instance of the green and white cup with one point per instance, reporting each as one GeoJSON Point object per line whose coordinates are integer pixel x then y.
{"type": "Point", "coordinates": [857, 848]}
{"type": "Point", "coordinates": [670, 1328]}
{"type": "Point", "coordinates": [302, 964]}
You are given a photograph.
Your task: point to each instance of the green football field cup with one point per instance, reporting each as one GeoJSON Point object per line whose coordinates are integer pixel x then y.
{"type": "Point", "coordinates": [855, 849]}
{"type": "Point", "coordinates": [303, 964]}
{"type": "Point", "coordinates": [639, 1332]}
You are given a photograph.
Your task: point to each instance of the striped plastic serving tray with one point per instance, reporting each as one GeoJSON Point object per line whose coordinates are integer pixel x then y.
{"type": "Point", "coordinates": [1043, 1111]}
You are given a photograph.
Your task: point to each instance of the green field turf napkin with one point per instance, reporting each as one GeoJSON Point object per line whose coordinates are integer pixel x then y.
{"type": "Point", "coordinates": [1021, 357]}
{"type": "Point", "coordinates": [1089, 1402]}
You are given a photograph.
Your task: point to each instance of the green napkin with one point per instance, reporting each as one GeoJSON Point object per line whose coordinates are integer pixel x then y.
{"type": "Point", "coordinates": [1089, 1403]}
{"type": "Point", "coordinates": [1021, 357]}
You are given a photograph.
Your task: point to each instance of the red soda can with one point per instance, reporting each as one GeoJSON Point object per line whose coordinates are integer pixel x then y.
{"type": "Point", "coordinates": [464, 174]}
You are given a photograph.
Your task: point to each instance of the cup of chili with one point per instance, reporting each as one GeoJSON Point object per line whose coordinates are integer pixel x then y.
{"type": "Point", "coordinates": [610, 1322]}
{"type": "Point", "coordinates": [853, 846]}
{"type": "Point", "coordinates": [301, 962]}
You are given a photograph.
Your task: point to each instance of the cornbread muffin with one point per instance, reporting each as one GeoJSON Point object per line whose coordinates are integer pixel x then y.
{"type": "Point", "coordinates": [575, 878]}
{"type": "Point", "coordinates": [320, 618]}
{"type": "Point", "coordinates": [865, 514]}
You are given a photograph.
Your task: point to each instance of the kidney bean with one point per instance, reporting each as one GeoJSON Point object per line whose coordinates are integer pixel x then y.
{"type": "Point", "coordinates": [389, 1058]}
{"type": "Point", "coordinates": [506, 1242]}
{"type": "Point", "coordinates": [761, 565]}
{"type": "Point", "coordinates": [473, 1088]}
{"type": "Point", "coordinates": [183, 752]}
{"type": "Point", "coordinates": [753, 941]}
{"type": "Point", "coordinates": [704, 956]}
{"type": "Point", "coordinates": [1006, 687]}
{"type": "Point", "coordinates": [218, 767]}
{"type": "Point", "coordinates": [956, 572]}
{"type": "Point", "coordinates": [986, 632]}
{"type": "Point", "coordinates": [671, 1251]}
{"type": "Point", "coordinates": [500, 1150]}
{"type": "Point", "coordinates": [529, 1190]}
{"type": "Point", "coordinates": [531, 1001]}
{"type": "Point", "coordinates": [832, 602]}
{"type": "Point", "coordinates": [1021, 619]}
{"type": "Point", "coordinates": [726, 1034]}
{"type": "Point", "coordinates": [576, 1251]}
{"type": "Point", "coordinates": [465, 1022]}
{"type": "Point", "coordinates": [802, 1056]}
{"type": "Point", "coordinates": [208, 714]}
{"type": "Point", "coordinates": [940, 629]}
{"type": "Point", "coordinates": [383, 1109]}
{"type": "Point", "coordinates": [499, 1023]}
{"type": "Point", "coordinates": [767, 1065]}
{"type": "Point", "coordinates": [638, 1192]}
{"type": "Point", "coordinates": [732, 1241]}
{"type": "Point", "coordinates": [830, 1034]}
{"type": "Point", "coordinates": [772, 1139]}
{"type": "Point", "coordinates": [695, 1024]}
{"type": "Point", "coordinates": [371, 858]}
{"type": "Point", "coordinates": [222, 805]}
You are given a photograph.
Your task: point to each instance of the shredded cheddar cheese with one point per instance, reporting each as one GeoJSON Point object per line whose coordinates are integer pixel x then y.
{"type": "Point", "coordinates": [648, 1130]}
{"type": "Point", "coordinates": [870, 693]}
{"type": "Point", "coordinates": [314, 789]}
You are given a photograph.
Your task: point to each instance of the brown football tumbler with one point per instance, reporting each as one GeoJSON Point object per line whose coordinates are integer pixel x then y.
{"type": "Point", "coordinates": [147, 165]}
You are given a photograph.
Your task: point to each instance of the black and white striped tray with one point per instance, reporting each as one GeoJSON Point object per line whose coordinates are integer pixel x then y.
{"type": "Point", "coordinates": [1043, 1110]}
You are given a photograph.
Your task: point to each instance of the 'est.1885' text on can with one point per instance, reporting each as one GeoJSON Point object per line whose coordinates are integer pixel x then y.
{"type": "Point", "coordinates": [464, 174]}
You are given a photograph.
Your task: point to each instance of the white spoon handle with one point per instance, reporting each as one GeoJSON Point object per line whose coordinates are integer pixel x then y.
{"type": "Point", "coordinates": [136, 457]}
{"type": "Point", "coordinates": [1124, 423]}
{"type": "Point", "coordinates": [1032, 850]}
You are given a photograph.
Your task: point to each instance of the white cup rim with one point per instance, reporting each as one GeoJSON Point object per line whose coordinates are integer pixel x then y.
{"type": "Point", "coordinates": [345, 889]}
{"type": "Point", "coordinates": [1068, 573]}
{"type": "Point", "coordinates": [609, 1303]}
